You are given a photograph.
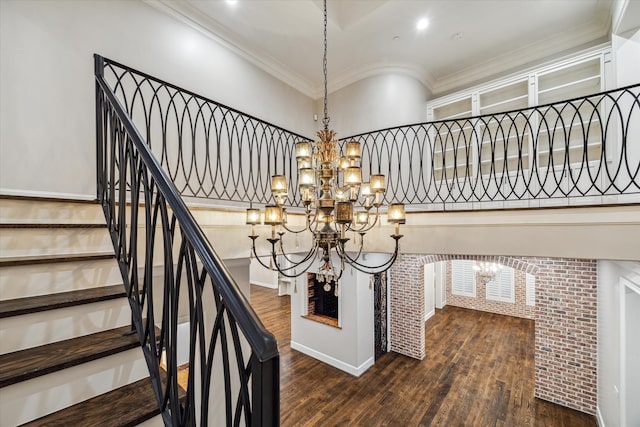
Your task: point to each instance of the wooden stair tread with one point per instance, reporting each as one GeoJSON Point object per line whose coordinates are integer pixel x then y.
{"type": "Point", "coordinates": [19, 306]}
{"type": "Point", "coordinates": [33, 362]}
{"type": "Point", "coordinates": [5, 225]}
{"type": "Point", "coordinates": [56, 258]}
{"type": "Point", "coordinates": [125, 406]}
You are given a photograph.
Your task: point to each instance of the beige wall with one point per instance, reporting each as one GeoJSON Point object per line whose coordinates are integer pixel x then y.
{"type": "Point", "coordinates": [595, 233]}
{"type": "Point", "coordinates": [47, 108]}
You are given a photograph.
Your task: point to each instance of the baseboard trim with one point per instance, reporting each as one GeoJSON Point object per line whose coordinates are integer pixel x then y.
{"type": "Point", "coordinates": [429, 315]}
{"type": "Point", "coordinates": [264, 284]}
{"type": "Point", "coordinates": [350, 369]}
{"type": "Point", "coordinates": [39, 195]}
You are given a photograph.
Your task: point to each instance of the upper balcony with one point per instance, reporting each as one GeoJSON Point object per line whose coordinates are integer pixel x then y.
{"type": "Point", "coordinates": [579, 153]}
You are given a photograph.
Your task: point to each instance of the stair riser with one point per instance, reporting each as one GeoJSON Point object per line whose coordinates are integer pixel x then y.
{"type": "Point", "coordinates": [34, 398]}
{"type": "Point", "coordinates": [153, 422]}
{"type": "Point", "coordinates": [31, 330]}
{"type": "Point", "coordinates": [41, 279]}
{"type": "Point", "coordinates": [36, 241]}
{"type": "Point", "coordinates": [12, 211]}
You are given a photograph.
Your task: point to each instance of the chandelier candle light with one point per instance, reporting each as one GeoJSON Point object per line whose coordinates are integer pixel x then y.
{"type": "Point", "coordinates": [335, 199]}
{"type": "Point", "coordinates": [487, 271]}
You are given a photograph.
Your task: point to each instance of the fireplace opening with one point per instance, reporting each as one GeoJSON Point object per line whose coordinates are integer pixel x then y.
{"type": "Point", "coordinates": [322, 300]}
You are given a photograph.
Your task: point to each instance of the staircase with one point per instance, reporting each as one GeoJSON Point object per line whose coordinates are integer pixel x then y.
{"type": "Point", "coordinates": [67, 354]}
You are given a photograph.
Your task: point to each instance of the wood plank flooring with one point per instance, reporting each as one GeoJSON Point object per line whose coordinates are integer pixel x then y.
{"type": "Point", "coordinates": [479, 371]}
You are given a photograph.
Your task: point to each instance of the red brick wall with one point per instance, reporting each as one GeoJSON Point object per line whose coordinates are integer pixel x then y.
{"type": "Point", "coordinates": [565, 321]}
{"type": "Point", "coordinates": [566, 332]}
{"type": "Point", "coordinates": [518, 308]}
{"type": "Point", "coordinates": [406, 307]}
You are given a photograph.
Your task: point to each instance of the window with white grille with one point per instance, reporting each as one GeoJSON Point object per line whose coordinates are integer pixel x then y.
{"type": "Point", "coordinates": [463, 278]}
{"type": "Point", "coordinates": [501, 288]}
{"type": "Point", "coordinates": [531, 289]}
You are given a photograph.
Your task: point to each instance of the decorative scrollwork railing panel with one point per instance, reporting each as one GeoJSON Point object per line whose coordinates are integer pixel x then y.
{"type": "Point", "coordinates": [173, 277]}
{"type": "Point", "coordinates": [209, 150]}
{"type": "Point", "coordinates": [572, 152]}
{"type": "Point", "coordinates": [579, 151]}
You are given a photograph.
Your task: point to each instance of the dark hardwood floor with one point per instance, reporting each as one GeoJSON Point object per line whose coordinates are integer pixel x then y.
{"type": "Point", "coordinates": [479, 371]}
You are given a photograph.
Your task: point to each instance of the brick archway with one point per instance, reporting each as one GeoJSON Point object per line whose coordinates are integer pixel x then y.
{"type": "Point", "coordinates": [516, 263]}
{"type": "Point", "coordinates": [565, 316]}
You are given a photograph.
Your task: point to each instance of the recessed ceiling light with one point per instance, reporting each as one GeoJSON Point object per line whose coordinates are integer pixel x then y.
{"type": "Point", "coordinates": [422, 24]}
{"type": "Point", "coordinates": [231, 2]}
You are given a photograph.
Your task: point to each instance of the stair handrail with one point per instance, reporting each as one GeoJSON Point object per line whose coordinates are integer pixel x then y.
{"type": "Point", "coordinates": [263, 344]}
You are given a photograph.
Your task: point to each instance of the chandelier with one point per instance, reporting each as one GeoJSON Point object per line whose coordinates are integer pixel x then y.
{"type": "Point", "coordinates": [336, 201]}
{"type": "Point", "coordinates": [486, 271]}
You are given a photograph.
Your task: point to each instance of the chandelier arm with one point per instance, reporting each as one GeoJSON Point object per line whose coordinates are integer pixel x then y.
{"type": "Point", "coordinates": [374, 269]}
{"type": "Point", "coordinates": [257, 257]}
{"type": "Point", "coordinates": [310, 255]}
{"type": "Point", "coordinates": [296, 265]}
{"type": "Point", "coordinates": [306, 257]}
{"type": "Point", "coordinates": [342, 250]}
{"type": "Point", "coordinates": [357, 265]}
{"type": "Point", "coordinates": [295, 231]}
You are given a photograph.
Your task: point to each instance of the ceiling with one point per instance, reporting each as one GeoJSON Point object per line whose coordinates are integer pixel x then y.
{"type": "Point", "coordinates": [466, 40]}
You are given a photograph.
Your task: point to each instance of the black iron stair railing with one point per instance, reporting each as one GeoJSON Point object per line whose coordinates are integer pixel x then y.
{"type": "Point", "coordinates": [172, 277]}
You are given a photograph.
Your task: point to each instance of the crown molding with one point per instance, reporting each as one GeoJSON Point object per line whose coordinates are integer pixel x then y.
{"type": "Point", "coordinates": [195, 19]}
{"type": "Point", "coordinates": [535, 51]}
{"type": "Point", "coordinates": [356, 74]}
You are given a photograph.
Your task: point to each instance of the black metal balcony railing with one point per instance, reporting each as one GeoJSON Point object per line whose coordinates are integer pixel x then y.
{"type": "Point", "coordinates": [172, 276]}
{"type": "Point", "coordinates": [579, 151]}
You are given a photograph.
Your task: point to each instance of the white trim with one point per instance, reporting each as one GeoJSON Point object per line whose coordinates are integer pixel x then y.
{"type": "Point", "coordinates": [622, 348]}
{"type": "Point", "coordinates": [264, 284]}
{"type": "Point", "coordinates": [429, 315]}
{"type": "Point", "coordinates": [523, 55]}
{"type": "Point", "coordinates": [376, 69]}
{"type": "Point", "coordinates": [545, 67]}
{"type": "Point", "coordinates": [350, 369]}
{"type": "Point", "coordinates": [599, 419]}
{"type": "Point", "coordinates": [623, 398]}
{"type": "Point", "coordinates": [47, 194]}
{"type": "Point", "coordinates": [530, 290]}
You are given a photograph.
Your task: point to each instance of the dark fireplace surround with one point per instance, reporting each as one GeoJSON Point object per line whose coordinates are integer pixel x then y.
{"type": "Point", "coordinates": [322, 305]}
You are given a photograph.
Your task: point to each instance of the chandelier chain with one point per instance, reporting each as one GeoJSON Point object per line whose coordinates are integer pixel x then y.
{"type": "Point", "coordinates": [332, 189]}
{"type": "Point", "coordinates": [325, 120]}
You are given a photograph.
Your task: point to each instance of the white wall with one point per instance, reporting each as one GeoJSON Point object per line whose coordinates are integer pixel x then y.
{"type": "Point", "coordinates": [374, 103]}
{"type": "Point", "coordinates": [429, 290]}
{"type": "Point", "coordinates": [258, 275]}
{"type": "Point", "coordinates": [631, 356]}
{"type": "Point", "coordinates": [609, 289]}
{"type": "Point", "coordinates": [440, 284]}
{"type": "Point", "coordinates": [47, 107]}
{"type": "Point", "coordinates": [351, 346]}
